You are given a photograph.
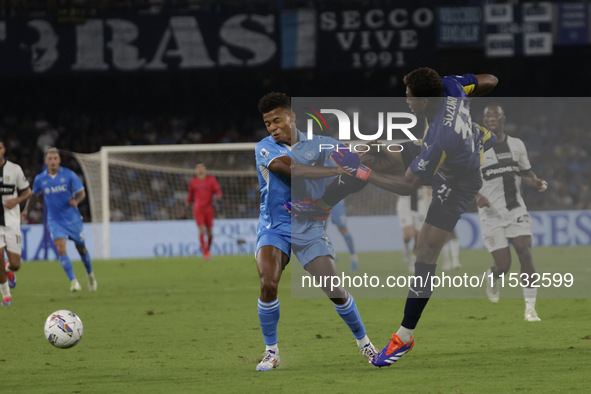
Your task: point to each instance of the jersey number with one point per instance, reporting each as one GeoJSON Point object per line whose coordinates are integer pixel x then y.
{"type": "Point", "coordinates": [462, 126]}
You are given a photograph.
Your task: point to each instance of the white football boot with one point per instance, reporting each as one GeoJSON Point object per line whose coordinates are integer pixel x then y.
{"type": "Point", "coordinates": [269, 362]}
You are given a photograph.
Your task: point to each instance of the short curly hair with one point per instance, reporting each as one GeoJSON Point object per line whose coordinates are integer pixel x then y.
{"type": "Point", "coordinates": [424, 82]}
{"type": "Point", "coordinates": [273, 100]}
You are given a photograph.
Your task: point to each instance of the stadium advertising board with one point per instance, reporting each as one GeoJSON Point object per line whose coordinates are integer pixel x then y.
{"type": "Point", "coordinates": [375, 37]}
{"type": "Point", "coordinates": [140, 43]}
{"type": "Point", "coordinates": [572, 26]}
{"type": "Point", "coordinates": [459, 26]}
{"type": "Point", "coordinates": [524, 29]}
{"type": "Point", "coordinates": [238, 236]}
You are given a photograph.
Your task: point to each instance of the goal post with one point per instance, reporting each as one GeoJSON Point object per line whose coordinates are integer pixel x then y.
{"type": "Point", "coordinates": [150, 182]}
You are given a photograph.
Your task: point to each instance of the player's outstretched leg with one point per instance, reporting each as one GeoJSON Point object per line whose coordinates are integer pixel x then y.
{"type": "Point", "coordinates": [268, 318]}
{"type": "Point", "coordinates": [418, 296]}
{"type": "Point", "coordinates": [85, 256]}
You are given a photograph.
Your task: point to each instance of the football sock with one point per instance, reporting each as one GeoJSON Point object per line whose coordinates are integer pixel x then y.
{"type": "Point", "coordinates": [362, 342]}
{"type": "Point", "coordinates": [67, 266]}
{"type": "Point", "coordinates": [204, 248]}
{"type": "Point", "coordinates": [530, 294]}
{"type": "Point", "coordinates": [340, 188]}
{"type": "Point", "coordinates": [418, 295]}
{"type": "Point", "coordinates": [273, 348]}
{"type": "Point", "coordinates": [5, 290]}
{"type": "Point", "coordinates": [269, 317]}
{"type": "Point", "coordinates": [350, 315]}
{"type": "Point", "coordinates": [87, 263]}
{"type": "Point", "coordinates": [404, 334]}
{"type": "Point", "coordinates": [350, 244]}
{"type": "Point", "coordinates": [454, 248]}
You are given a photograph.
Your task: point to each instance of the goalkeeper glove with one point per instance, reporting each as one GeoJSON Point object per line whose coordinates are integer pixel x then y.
{"type": "Point", "coordinates": [349, 162]}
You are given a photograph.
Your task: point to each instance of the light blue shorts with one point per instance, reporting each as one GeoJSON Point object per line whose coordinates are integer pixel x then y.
{"type": "Point", "coordinates": [73, 231]}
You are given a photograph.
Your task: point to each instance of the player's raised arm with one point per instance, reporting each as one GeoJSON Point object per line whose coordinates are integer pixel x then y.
{"type": "Point", "coordinates": [283, 165]}
{"type": "Point", "coordinates": [486, 83]}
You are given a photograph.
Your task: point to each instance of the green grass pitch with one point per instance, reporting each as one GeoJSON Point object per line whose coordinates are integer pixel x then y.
{"type": "Point", "coordinates": [184, 325]}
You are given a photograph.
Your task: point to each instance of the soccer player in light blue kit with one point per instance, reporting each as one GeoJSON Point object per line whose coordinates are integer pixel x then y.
{"type": "Point", "coordinates": [278, 233]}
{"type": "Point", "coordinates": [62, 192]}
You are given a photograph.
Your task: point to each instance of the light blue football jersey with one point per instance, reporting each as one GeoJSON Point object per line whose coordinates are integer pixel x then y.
{"type": "Point", "coordinates": [275, 188]}
{"type": "Point", "coordinates": [57, 190]}
{"type": "Point", "coordinates": [314, 152]}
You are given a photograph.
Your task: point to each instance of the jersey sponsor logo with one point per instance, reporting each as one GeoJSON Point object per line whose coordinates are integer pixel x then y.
{"type": "Point", "coordinates": [56, 189]}
{"type": "Point", "coordinates": [264, 152]}
{"type": "Point", "coordinates": [6, 190]}
{"type": "Point", "coordinates": [524, 219]}
{"type": "Point", "coordinates": [499, 170]}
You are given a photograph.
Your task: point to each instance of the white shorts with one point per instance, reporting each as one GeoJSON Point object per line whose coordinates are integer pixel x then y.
{"type": "Point", "coordinates": [406, 216]}
{"type": "Point", "coordinates": [11, 239]}
{"type": "Point", "coordinates": [496, 231]}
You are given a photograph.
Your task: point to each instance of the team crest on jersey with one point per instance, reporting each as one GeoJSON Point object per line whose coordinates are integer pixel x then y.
{"type": "Point", "coordinates": [7, 178]}
{"type": "Point", "coordinates": [264, 152]}
{"type": "Point", "coordinates": [63, 180]}
{"type": "Point", "coordinates": [309, 155]}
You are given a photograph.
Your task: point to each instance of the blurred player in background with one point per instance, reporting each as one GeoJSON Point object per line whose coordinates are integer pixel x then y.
{"type": "Point", "coordinates": [411, 214]}
{"type": "Point", "coordinates": [62, 192]}
{"type": "Point", "coordinates": [205, 193]}
{"type": "Point", "coordinates": [338, 217]}
{"type": "Point", "coordinates": [503, 214]}
{"type": "Point", "coordinates": [278, 232]}
{"type": "Point", "coordinates": [14, 188]}
{"type": "Point", "coordinates": [450, 161]}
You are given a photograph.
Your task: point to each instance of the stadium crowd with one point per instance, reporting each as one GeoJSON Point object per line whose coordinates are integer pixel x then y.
{"type": "Point", "coordinates": [559, 152]}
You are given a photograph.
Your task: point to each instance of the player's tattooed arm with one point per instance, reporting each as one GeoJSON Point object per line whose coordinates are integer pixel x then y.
{"type": "Point", "coordinates": [284, 165]}
{"type": "Point", "coordinates": [486, 83]}
{"type": "Point", "coordinates": [401, 185]}
{"type": "Point", "coordinates": [78, 198]}
{"type": "Point", "coordinates": [530, 179]}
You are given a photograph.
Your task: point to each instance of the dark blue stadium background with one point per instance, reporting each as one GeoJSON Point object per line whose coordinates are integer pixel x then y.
{"type": "Point", "coordinates": [82, 112]}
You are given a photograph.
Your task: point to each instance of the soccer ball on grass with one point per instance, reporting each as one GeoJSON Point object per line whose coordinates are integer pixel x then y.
{"type": "Point", "coordinates": [63, 329]}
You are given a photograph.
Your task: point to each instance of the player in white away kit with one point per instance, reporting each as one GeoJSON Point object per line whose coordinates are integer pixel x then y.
{"type": "Point", "coordinates": [503, 214]}
{"type": "Point", "coordinates": [14, 189]}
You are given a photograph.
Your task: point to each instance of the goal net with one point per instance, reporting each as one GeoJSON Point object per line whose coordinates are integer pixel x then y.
{"type": "Point", "coordinates": [138, 183]}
